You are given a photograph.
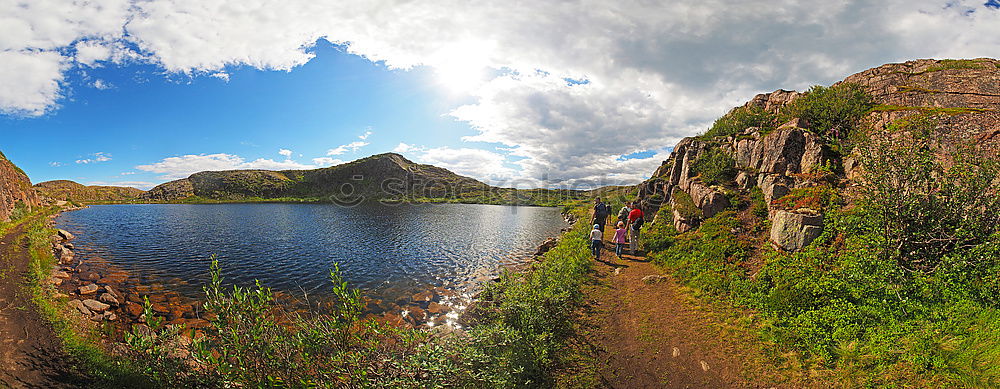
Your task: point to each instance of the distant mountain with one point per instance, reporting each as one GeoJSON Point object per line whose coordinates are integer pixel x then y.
{"type": "Point", "coordinates": [387, 176]}
{"type": "Point", "coordinates": [72, 191]}
{"type": "Point", "coordinates": [16, 196]}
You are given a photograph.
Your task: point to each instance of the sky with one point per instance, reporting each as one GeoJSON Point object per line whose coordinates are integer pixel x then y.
{"type": "Point", "coordinates": [558, 94]}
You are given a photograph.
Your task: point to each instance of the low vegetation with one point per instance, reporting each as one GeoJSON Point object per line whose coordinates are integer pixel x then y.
{"type": "Point", "coordinates": [901, 287]}
{"type": "Point", "coordinates": [714, 166]}
{"type": "Point", "coordinates": [739, 119]}
{"type": "Point", "coordinates": [832, 112]}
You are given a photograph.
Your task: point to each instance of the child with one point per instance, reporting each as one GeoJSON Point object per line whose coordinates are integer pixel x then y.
{"type": "Point", "coordinates": [595, 241]}
{"type": "Point", "coordinates": [619, 239]}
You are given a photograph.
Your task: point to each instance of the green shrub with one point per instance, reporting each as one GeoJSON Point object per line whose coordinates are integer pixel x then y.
{"type": "Point", "coordinates": [714, 166]}
{"type": "Point", "coordinates": [685, 206]}
{"type": "Point", "coordinates": [658, 236]}
{"type": "Point", "coordinates": [832, 112]}
{"type": "Point", "coordinates": [740, 119]}
{"type": "Point", "coordinates": [817, 198]}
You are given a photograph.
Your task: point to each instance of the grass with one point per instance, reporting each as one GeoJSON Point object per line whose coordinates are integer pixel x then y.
{"type": "Point", "coordinates": [951, 111]}
{"type": "Point", "coordinates": [949, 64]}
{"type": "Point", "coordinates": [685, 206]}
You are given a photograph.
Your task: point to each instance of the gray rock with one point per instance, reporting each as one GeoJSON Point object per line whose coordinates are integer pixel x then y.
{"type": "Point", "coordinates": [79, 307]}
{"type": "Point", "coordinates": [65, 235]}
{"type": "Point", "coordinates": [794, 230]}
{"type": "Point", "coordinates": [60, 274]}
{"type": "Point", "coordinates": [88, 289]}
{"type": "Point", "coordinates": [95, 306]}
{"type": "Point", "coordinates": [108, 298]}
{"type": "Point", "coordinates": [654, 278]}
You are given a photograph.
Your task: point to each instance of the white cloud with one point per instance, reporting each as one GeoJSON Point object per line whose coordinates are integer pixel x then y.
{"type": "Point", "coordinates": [651, 71]}
{"type": "Point", "coordinates": [101, 84]}
{"type": "Point", "coordinates": [180, 167]}
{"type": "Point", "coordinates": [221, 75]}
{"type": "Point", "coordinates": [285, 152]}
{"type": "Point", "coordinates": [55, 164]}
{"type": "Point", "coordinates": [95, 158]}
{"type": "Point", "coordinates": [365, 135]}
{"type": "Point", "coordinates": [406, 148]}
{"type": "Point", "coordinates": [352, 147]}
{"type": "Point", "coordinates": [144, 185]}
{"type": "Point", "coordinates": [90, 52]}
{"type": "Point", "coordinates": [326, 161]}
{"type": "Point", "coordinates": [477, 163]}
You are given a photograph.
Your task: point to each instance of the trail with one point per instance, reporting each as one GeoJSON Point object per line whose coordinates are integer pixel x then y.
{"type": "Point", "coordinates": [653, 335]}
{"type": "Point", "coordinates": [31, 356]}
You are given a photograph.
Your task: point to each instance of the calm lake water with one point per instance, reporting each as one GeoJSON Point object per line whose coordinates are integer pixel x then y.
{"type": "Point", "coordinates": [389, 251]}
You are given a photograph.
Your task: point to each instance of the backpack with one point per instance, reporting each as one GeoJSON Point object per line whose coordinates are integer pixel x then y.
{"type": "Point", "coordinates": [637, 224]}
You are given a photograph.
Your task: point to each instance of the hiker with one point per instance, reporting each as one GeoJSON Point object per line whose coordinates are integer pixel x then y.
{"type": "Point", "coordinates": [623, 213]}
{"type": "Point", "coordinates": [635, 220]}
{"type": "Point", "coordinates": [601, 213]}
{"type": "Point", "coordinates": [619, 239]}
{"type": "Point", "coordinates": [595, 241]}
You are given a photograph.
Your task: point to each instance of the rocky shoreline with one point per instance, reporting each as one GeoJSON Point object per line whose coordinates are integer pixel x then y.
{"type": "Point", "coordinates": [98, 294]}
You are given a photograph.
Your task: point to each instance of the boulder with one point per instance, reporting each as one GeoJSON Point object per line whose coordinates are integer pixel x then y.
{"type": "Point", "coordinates": [794, 230]}
{"type": "Point", "coordinates": [95, 306]}
{"type": "Point", "coordinates": [88, 289]}
{"type": "Point", "coordinates": [78, 305]}
{"type": "Point", "coordinates": [546, 246]}
{"type": "Point", "coordinates": [60, 274]}
{"type": "Point", "coordinates": [65, 235]}
{"type": "Point", "coordinates": [133, 309]}
{"type": "Point", "coordinates": [775, 186]}
{"type": "Point", "coordinates": [108, 298]}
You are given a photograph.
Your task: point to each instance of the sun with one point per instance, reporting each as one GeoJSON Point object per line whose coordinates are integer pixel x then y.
{"type": "Point", "coordinates": [462, 67]}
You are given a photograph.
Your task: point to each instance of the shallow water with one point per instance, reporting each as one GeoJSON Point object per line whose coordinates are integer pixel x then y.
{"type": "Point", "coordinates": [389, 251]}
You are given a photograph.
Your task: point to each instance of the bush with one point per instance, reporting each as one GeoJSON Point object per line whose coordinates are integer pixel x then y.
{"type": "Point", "coordinates": [817, 198]}
{"type": "Point", "coordinates": [715, 167]}
{"type": "Point", "coordinates": [832, 112]}
{"type": "Point", "coordinates": [739, 119]}
{"type": "Point", "coordinates": [658, 236]}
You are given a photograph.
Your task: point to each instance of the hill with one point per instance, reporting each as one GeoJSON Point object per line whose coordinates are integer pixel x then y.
{"type": "Point", "coordinates": [855, 228]}
{"type": "Point", "coordinates": [71, 191]}
{"type": "Point", "coordinates": [385, 177]}
{"type": "Point", "coordinates": [16, 196]}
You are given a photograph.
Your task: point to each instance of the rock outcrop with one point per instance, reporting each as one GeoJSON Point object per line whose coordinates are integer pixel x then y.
{"type": "Point", "coordinates": [16, 195]}
{"type": "Point", "coordinates": [964, 95]}
{"type": "Point", "coordinates": [65, 190]}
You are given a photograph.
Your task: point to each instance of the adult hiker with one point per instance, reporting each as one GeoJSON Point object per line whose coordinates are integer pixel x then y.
{"type": "Point", "coordinates": [635, 220]}
{"type": "Point", "coordinates": [601, 213]}
{"type": "Point", "coordinates": [623, 213]}
{"type": "Point", "coordinates": [595, 241]}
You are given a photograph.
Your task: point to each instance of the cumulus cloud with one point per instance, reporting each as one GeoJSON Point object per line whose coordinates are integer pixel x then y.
{"type": "Point", "coordinates": [95, 158]}
{"type": "Point", "coordinates": [580, 83]}
{"type": "Point", "coordinates": [326, 161]}
{"type": "Point", "coordinates": [285, 152]}
{"type": "Point", "coordinates": [172, 168]}
{"type": "Point", "coordinates": [478, 163]}
{"type": "Point", "coordinates": [101, 84]}
{"type": "Point", "coordinates": [352, 147]}
{"type": "Point", "coordinates": [144, 185]}
{"type": "Point", "coordinates": [405, 148]}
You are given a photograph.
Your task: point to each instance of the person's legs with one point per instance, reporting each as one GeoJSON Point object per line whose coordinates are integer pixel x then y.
{"type": "Point", "coordinates": [618, 249]}
{"type": "Point", "coordinates": [594, 247]}
{"type": "Point", "coordinates": [634, 239]}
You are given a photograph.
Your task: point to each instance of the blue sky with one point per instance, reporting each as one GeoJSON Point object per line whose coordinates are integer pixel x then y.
{"type": "Point", "coordinates": [145, 116]}
{"type": "Point", "coordinates": [548, 94]}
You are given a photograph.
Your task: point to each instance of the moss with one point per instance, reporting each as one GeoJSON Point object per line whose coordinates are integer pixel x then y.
{"type": "Point", "coordinates": [685, 206]}
{"type": "Point", "coordinates": [951, 111]}
{"type": "Point", "coordinates": [816, 198]}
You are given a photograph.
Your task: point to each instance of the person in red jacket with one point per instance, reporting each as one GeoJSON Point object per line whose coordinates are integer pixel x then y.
{"type": "Point", "coordinates": [635, 220]}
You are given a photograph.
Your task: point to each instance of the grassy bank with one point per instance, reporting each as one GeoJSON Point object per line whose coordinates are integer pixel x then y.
{"type": "Point", "coordinates": [515, 335]}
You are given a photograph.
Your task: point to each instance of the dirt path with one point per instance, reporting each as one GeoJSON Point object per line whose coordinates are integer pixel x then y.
{"type": "Point", "coordinates": [31, 356]}
{"type": "Point", "coordinates": [651, 335]}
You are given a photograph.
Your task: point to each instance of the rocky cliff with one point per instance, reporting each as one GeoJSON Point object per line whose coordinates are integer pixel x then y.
{"type": "Point", "coordinates": [66, 190]}
{"type": "Point", "coordinates": [16, 195]}
{"type": "Point", "coordinates": [963, 96]}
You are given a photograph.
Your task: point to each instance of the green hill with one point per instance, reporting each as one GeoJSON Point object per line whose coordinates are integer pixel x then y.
{"type": "Point", "coordinates": [383, 177]}
{"type": "Point", "coordinates": [72, 191]}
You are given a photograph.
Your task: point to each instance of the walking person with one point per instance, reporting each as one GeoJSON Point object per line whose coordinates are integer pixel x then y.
{"type": "Point", "coordinates": [636, 218]}
{"type": "Point", "coordinates": [601, 213]}
{"type": "Point", "coordinates": [619, 239]}
{"type": "Point", "coordinates": [596, 242]}
{"type": "Point", "coordinates": [623, 213]}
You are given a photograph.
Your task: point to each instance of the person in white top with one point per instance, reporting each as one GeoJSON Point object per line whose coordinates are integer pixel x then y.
{"type": "Point", "coordinates": [596, 243]}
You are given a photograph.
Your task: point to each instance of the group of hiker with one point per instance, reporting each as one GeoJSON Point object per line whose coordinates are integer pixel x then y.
{"type": "Point", "coordinates": [629, 223]}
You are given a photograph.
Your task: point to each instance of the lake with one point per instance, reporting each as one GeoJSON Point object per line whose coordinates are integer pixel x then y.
{"type": "Point", "coordinates": [388, 251]}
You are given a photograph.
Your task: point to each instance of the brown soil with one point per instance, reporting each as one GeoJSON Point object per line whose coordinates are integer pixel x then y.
{"type": "Point", "coordinates": [31, 355]}
{"type": "Point", "coordinates": [654, 335]}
